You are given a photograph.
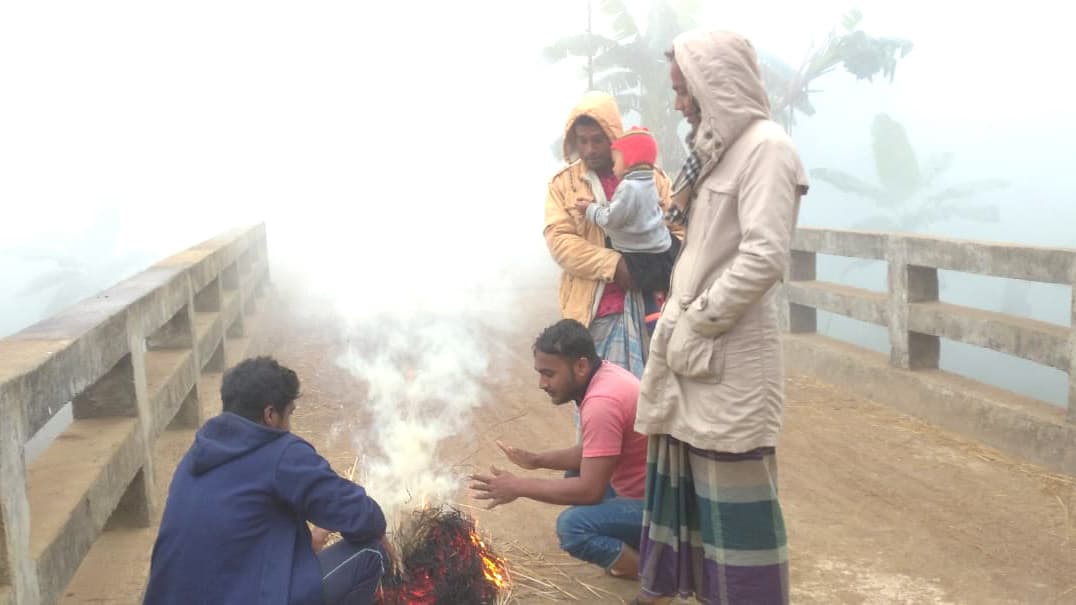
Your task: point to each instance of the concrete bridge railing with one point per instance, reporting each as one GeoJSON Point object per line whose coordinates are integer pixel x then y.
{"type": "Point", "coordinates": [916, 321]}
{"type": "Point", "coordinates": [128, 360]}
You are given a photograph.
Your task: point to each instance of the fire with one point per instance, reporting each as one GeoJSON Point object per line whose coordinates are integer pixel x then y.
{"type": "Point", "coordinates": [493, 567]}
{"type": "Point", "coordinates": [444, 561]}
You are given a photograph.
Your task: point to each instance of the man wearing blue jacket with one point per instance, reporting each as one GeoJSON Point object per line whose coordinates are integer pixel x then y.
{"type": "Point", "coordinates": [235, 525]}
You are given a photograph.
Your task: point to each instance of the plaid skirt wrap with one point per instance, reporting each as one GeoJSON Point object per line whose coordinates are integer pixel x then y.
{"type": "Point", "coordinates": [622, 338]}
{"type": "Point", "coordinates": [712, 526]}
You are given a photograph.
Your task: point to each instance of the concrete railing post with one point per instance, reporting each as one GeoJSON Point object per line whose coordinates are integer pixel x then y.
{"type": "Point", "coordinates": [122, 392]}
{"type": "Point", "coordinates": [803, 267]}
{"type": "Point", "coordinates": [137, 504]}
{"type": "Point", "coordinates": [17, 568]}
{"type": "Point", "coordinates": [909, 284]}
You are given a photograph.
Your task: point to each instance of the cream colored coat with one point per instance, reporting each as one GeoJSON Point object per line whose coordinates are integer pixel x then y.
{"type": "Point", "coordinates": [715, 377]}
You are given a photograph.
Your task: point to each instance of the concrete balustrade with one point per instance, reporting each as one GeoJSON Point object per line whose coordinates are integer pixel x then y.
{"type": "Point", "coordinates": [916, 321]}
{"type": "Point", "coordinates": [130, 361]}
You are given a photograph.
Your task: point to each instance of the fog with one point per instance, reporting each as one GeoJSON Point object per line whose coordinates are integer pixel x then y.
{"type": "Point", "coordinates": [398, 152]}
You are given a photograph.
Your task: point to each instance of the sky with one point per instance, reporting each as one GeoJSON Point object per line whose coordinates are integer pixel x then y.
{"type": "Point", "coordinates": [407, 145]}
{"type": "Point", "coordinates": [368, 141]}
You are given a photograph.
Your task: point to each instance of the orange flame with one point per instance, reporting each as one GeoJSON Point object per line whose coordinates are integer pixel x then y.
{"type": "Point", "coordinates": [493, 568]}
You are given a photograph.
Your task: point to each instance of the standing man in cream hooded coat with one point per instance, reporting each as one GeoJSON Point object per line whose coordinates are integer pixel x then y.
{"type": "Point", "coordinates": [712, 393]}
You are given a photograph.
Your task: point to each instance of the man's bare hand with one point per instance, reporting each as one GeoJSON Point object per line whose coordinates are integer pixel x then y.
{"type": "Point", "coordinates": [581, 204]}
{"type": "Point", "coordinates": [622, 277]}
{"type": "Point", "coordinates": [497, 487]}
{"type": "Point", "coordinates": [522, 458]}
{"type": "Point", "coordinates": [318, 538]}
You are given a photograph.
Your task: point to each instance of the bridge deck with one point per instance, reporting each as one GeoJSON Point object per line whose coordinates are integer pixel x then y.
{"type": "Point", "coordinates": [881, 507]}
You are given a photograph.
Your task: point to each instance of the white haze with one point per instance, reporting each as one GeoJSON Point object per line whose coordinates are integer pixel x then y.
{"type": "Point", "coordinates": [398, 153]}
{"type": "Point", "coordinates": [398, 163]}
{"type": "Point", "coordinates": [424, 378]}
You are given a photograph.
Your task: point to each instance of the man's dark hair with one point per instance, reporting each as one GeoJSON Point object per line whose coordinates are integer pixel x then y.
{"type": "Point", "coordinates": [585, 120]}
{"type": "Point", "coordinates": [670, 54]}
{"type": "Point", "coordinates": [569, 339]}
{"type": "Point", "coordinates": [256, 383]}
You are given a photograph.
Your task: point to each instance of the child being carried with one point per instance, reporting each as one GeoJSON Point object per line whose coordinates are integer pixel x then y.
{"type": "Point", "coordinates": [633, 219]}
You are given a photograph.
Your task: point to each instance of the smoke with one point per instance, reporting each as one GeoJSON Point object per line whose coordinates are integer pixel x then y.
{"type": "Point", "coordinates": [377, 144]}
{"type": "Point", "coordinates": [423, 380]}
{"type": "Point", "coordinates": [398, 154]}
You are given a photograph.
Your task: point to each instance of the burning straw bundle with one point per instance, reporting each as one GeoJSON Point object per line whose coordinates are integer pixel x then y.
{"type": "Point", "coordinates": [444, 561]}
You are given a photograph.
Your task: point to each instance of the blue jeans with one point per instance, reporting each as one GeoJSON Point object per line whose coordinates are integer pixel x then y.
{"type": "Point", "coordinates": [351, 573]}
{"type": "Point", "coordinates": [596, 533]}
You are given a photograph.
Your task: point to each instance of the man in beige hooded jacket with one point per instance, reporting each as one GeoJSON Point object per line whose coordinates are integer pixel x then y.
{"type": "Point", "coordinates": [595, 277]}
{"type": "Point", "coordinates": [712, 393]}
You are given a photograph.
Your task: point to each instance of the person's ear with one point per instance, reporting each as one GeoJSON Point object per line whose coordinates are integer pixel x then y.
{"type": "Point", "coordinates": [581, 368]}
{"type": "Point", "coordinates": [267, 416]}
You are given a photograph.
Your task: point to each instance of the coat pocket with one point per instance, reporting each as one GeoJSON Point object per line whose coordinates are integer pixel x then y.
{"type": "Point", "coordinates": [692, 355]}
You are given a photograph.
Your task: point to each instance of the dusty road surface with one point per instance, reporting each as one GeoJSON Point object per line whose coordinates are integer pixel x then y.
{"type": "Point", "coordinates": [881, 508]}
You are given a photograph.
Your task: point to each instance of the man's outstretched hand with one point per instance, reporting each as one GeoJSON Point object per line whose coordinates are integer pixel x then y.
{"type": "Point", "coordinates": [522, 458]}
{"type": "Point", "coordinates": [497, 487]}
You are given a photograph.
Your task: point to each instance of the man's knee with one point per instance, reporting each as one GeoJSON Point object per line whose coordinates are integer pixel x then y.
{"type": "Point", "coordinates": [351, 572]}
{"type": "Point", "coordinates": [570, 529]}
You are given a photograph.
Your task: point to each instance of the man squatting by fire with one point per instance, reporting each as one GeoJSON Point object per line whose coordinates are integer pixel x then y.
{"type": "Point", "coordinates": [235, 529]}
{"type": "Point", "coordinates": [605, 471]}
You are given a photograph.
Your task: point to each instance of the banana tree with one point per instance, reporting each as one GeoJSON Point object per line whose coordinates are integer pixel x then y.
{"type": "Point", "coordinates": [629, 63]}
{"type": "Point", "coordinates": [861, 55]}
{"type": "Point", "coordinates": [909, 194]}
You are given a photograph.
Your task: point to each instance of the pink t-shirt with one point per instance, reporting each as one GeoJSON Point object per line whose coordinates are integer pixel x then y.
{"type": "Point", "coordinates": [607, 419]}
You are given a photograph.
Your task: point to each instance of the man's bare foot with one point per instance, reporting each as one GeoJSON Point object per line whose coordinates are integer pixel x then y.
{"type": "Point", "coordinates": [626, 565]}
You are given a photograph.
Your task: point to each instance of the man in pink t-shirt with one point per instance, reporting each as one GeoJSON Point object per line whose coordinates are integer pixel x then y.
{"type": "Point", "coordinates": [605, 473]}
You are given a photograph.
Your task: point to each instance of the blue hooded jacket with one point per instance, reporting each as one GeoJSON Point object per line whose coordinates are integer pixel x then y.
{"type": "Point", "coordinates": [234, 527]}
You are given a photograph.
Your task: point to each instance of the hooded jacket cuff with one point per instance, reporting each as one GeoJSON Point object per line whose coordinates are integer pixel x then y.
{"type": "Point", "coordinates": [592, 212]}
